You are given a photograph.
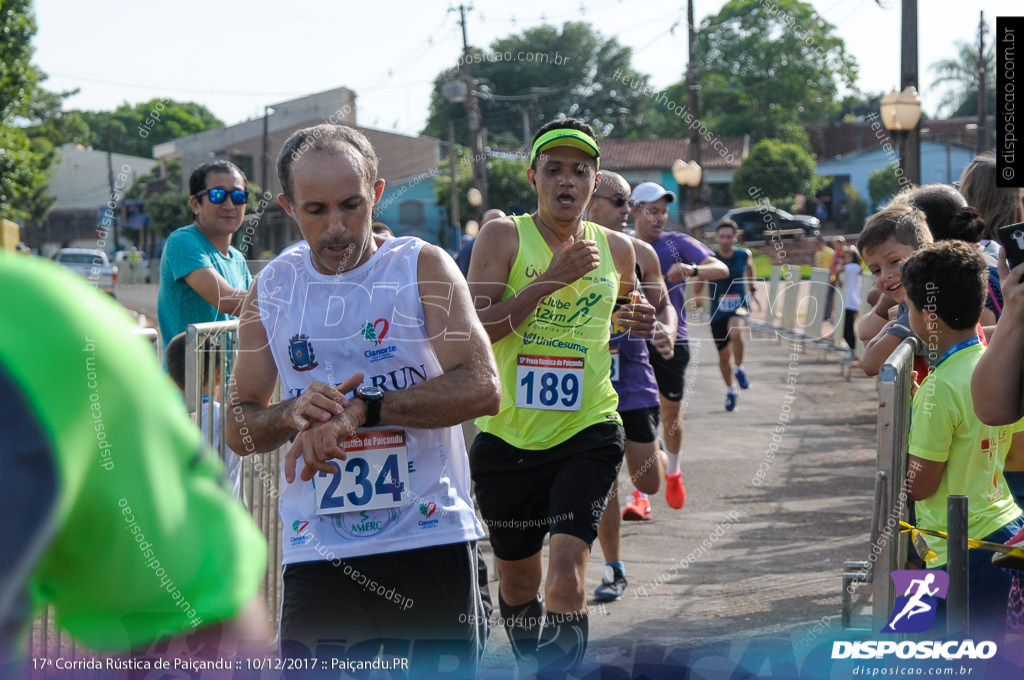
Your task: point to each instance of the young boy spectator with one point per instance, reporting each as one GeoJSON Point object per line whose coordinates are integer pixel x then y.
{"type": "Point", "coordinates": [951, 451]}
{"type": "Point", "coordinates": [887, 240]}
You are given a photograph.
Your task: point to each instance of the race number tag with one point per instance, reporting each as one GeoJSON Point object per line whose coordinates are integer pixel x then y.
{"type": "Point", "coordinates": [549, 383]}
{"type": "Point", "coordinates": [615, 363]}
{"type": "Point", "coordinates": [375, 475]}
{"type": "Point", "coordinates": [730, 302]}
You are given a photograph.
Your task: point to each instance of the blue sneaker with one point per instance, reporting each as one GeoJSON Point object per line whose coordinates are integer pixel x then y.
{"type": "Point", "coordinates": [730, 401]}
{"type": "Point", "coordinates": [741, 378]}
{"type": "Point", "coordinates": [613, 584]}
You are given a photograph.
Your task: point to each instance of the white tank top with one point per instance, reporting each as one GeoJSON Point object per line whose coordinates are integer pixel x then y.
{"type": "Point", "coordinates": [401, 488]}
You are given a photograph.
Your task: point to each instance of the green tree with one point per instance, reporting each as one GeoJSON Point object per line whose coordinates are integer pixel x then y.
{"type": "Point", "coordinates": [506, 180]}
{"type": "Point", "coordinates": [167, 211]}
{"type": "Point", "coordinates": [961, 76]}
{"type": "Point", "coordinates": [882, 185]}
{"type": "Point", "coordinates": [775, 170]}
{"type": "Point", "coordinates": [857, 106]}
{"type": "Point", "coordinates": [548, 72]}
{"type": "Point", "coordinates": [767, 67]}
{"type": "Point", "coordinates": [134, 129]}
{"type": "Point", "coordinates": [858, 209]}
{"type": "Point", "coordinates": [22, 167]}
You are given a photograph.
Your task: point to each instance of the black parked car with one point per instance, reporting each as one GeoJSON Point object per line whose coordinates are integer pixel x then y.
{"type": "Point", "coordinates": [755, 220]}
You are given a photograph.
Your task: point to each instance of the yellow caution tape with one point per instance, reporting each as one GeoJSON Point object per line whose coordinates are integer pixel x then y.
{"type": "Point", "coordinates": [971, 542]}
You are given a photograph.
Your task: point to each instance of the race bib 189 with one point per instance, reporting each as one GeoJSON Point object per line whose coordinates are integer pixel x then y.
{"type": "Point", "coordinates": [375, 474]}
{"type": "Point", "coordinates": [549, 383]}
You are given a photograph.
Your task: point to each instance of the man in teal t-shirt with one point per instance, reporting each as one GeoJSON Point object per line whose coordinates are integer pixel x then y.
{"type": "Point", "coordinates": [202, 276]}
{"type": "Point", "coordinates": [111, 509]}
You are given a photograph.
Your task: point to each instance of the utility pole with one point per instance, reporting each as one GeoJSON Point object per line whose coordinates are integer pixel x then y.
{"type": "Point", "coordinates": [472, 105]}
{"type": "Point", "coordinates": [982, 97]}
{"type": "Point", "coordinates": [114, 197]}
{"type": "Point", "coordinates": [693, 88]}
{"type": "Point", "coordinates": [264, 162]}
{"type": "Point", "coordinates": [453, 192]}
{"type": "Point", "coordinates": [909, 78]}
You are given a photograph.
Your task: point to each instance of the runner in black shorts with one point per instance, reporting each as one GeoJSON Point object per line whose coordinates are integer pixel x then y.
{"type": "Point", "coordinates": [545, 286]}
{"type": "Point", "coordinates": [682, 258]}
{"type": "Point", "coordinates": [730, 305]}
{"type": "Point", "coordinates": [633, 379]}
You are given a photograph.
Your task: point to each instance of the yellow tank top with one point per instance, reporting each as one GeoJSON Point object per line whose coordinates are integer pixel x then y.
{"type": "Point", "coordinates": [555, 368]}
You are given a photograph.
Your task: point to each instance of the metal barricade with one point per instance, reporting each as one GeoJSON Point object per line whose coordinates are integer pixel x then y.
{"type": "Point", "coordinates": [790, 299]}
{"type": "Point", "coordinates": [888, 552]}
{"type": "Point", "coordinates": [151, 335]}
{"type": "Point", "coordinates": [210, 353]}
{"type": "Point", "coordinates": [815, 310]}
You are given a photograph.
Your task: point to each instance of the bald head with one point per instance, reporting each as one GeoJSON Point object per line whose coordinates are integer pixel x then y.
{"type": "Point", "coordinates": [492, 214]}
{"type": "Point", "coordinates": [609, 206]}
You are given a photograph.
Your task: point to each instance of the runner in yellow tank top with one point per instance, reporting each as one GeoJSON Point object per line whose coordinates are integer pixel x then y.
{"type": "Point", "coordinates": [544, 286]}
{"type": "Point", "coordinates": [557, 358]}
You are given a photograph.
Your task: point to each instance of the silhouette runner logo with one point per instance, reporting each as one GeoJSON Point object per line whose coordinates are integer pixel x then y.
{"type": "Point", "coordinates": [914, 611]}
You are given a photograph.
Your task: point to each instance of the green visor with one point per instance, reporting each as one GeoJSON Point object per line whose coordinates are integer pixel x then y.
{"type": "Point", "coordinates": [567, 137]}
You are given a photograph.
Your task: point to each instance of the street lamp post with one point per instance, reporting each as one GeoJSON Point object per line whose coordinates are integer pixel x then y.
{"type": "Point", "coordinates": [901, 112]}
{"type": "Point", "coordinates": [689, 174]}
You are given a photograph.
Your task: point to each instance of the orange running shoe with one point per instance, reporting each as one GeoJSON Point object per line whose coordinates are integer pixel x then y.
{"type": "Point", "coordinates": [675, 492]}
{"type": "Point", "coordinates": [639, 509]}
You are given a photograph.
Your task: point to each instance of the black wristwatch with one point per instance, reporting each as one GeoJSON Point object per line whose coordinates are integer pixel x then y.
{"type": "Point", "coordinates": [374, 397]}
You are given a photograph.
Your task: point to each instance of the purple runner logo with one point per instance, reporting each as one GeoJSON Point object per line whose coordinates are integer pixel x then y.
{"type": "Point", "coordinates": [914, 611]}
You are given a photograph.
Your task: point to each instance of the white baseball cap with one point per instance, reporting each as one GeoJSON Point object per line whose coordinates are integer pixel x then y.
{"type": "Point", "coordinates": [648, 192]}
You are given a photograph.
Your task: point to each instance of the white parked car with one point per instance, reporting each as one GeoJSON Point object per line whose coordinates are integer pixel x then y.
{"type": "Point", "coordinates": [91, 264]}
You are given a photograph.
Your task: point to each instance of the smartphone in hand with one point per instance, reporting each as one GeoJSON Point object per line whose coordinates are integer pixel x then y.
{"type": "Point", "coordinates": [1012, 238]}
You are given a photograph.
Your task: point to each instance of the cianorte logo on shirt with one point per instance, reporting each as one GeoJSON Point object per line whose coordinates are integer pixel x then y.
{"type": "Point", "coordinates": [375, 333]}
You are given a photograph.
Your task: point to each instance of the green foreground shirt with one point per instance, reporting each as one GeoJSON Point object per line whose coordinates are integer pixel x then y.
{"type": "Point", "coordinates": [147, 543]}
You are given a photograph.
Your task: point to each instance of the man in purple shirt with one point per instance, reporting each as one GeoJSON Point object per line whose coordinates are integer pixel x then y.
{"type": "Point", "coordinates": [633, 380]}
{"type": "Point", "coordinates": [682, 257]}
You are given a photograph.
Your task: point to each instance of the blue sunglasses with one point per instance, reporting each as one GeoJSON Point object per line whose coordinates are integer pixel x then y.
{"type": "Point", "coordinates": [218, 196]}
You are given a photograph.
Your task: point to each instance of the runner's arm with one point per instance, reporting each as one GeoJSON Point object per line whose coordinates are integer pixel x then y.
{"type": "Point", "coordinates": [636, 318]}
{"type": "Point", "coordinates": [751, 275]}
{"type": "Point", "coordinates": [254, 425]}
{"type": "Point", "coordinates": [469, 386]}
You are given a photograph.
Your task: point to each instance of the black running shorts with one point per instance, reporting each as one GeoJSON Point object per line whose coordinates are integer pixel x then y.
{"type": "Point", "coordinates": [523, 495]}
{"type": "Point", "coordinates": [419, 605]}
{"type": "Point", "coordinates": [671, 374]}
{"type": "Point", "coordinates": [720, 330]}
{"type": "Point", "coordinates": [641, 425]}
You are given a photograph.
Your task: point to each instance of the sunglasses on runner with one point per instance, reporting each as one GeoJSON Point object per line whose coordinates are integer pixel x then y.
{"type": "Point", "coordinates": [218, 196]}
{"type": "Point", "coordinates": [617, 201]}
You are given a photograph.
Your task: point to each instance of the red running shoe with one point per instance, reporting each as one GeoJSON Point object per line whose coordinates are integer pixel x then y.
{"type": "Point", "coordinates": [675, 492]}
{"type": "Point", "coordinates": [639, 509]}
